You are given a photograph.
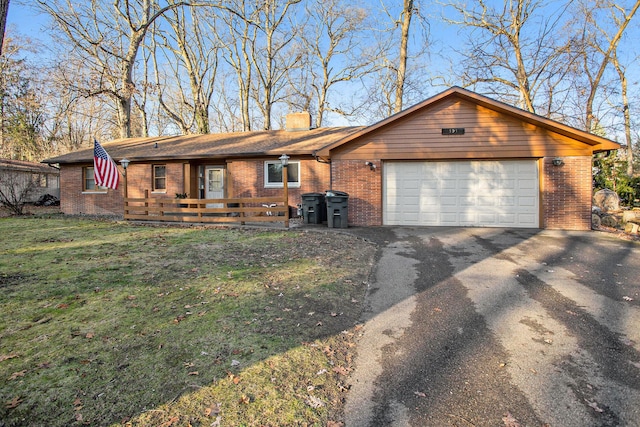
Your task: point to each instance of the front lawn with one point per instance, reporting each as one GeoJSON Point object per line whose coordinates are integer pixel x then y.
{"type": "Point", "coordinates": [105, 323]}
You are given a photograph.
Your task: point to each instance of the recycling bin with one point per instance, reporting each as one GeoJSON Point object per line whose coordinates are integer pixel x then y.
{"type": "Point", "coordinates": [337, 208]}
{"type": "Point", "coordinates": [314, 210]}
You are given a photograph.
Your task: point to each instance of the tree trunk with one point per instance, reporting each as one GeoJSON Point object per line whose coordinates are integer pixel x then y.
{"type": "Point", "coordinates": [603, 65]}
{"type": "Point", "coordinates": [407, 12]}
{"type": "Point", "coordinates": [625, 112]}
{"type": "Point", "coordinates": [4, 10]}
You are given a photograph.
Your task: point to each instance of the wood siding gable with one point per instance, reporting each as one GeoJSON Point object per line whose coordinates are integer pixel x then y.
{"type": "Point", "coordinates": [491, 131]}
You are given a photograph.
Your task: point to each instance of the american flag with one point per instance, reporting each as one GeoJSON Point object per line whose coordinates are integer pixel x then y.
{"type": "Point", "coordinates": [105, 171]}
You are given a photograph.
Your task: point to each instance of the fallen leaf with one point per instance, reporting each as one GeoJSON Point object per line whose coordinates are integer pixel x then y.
{"type": "Point", "coordinates": [17, 374]}
{"type": "Point", "coordinates": [244, 400]}
{"type": "Point", "coordinates": [509, 421]}
{"type": "Point", "coordinates": [62, 306]}
{"type": "Point", "coordinates": [335, 423]}
{"type": "Point", "coordinates": [89, 335]}
{"type": "Point", "coordinates": [314, 402]}
{"type": "Point", "coordinates": [77, 402]}
{"type": "Point", "coordinates": [212, 410]}
{"type": "Point", "coordinates": [419, 394]}
{"type": "Point", "coordinates": [13, 403]}
{"type": "Point", "coordinates": [193, 373]}
{"type": "Point", "coordinates": [4, 357]}
{"type": "Point", "coordinates": [594, 406]}
{"type": "Point", "coordinates": [341, 370]}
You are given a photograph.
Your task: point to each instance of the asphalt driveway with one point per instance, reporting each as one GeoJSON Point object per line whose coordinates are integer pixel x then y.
{"type": "Point", "coordinates": [496, 327]}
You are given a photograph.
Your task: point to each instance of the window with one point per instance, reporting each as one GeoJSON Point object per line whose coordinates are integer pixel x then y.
{"type": "Point", "coordinates": [159, 178]}
{"type": "Point", "coordinates": [88, 181]}
{"type": "Point", "coordinates": [273, 174]}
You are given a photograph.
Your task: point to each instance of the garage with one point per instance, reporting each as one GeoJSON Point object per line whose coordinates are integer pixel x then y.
{"type": "Point", "coordinates": [496, 193]}
{"type": "Point", "coordinates": [461, 159]}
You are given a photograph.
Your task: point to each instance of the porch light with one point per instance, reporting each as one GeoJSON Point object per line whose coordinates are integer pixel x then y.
{"type": "Point", "coordinates": [125, 163]}
{"type": "Point", "coordinates": [557, 161]}
{"type": "Point", "coordinates": [284, 159]}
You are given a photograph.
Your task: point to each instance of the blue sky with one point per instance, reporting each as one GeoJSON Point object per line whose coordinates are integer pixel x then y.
{"type": "Point", "coordinates": [444, 37]}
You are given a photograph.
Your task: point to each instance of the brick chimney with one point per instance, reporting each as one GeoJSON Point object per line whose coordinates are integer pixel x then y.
{"type": "Point", "coordinates": [298, 121]}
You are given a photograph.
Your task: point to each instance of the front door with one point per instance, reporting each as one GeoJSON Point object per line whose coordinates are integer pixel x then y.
{"type": "Point", "coordinates": [214, 184]}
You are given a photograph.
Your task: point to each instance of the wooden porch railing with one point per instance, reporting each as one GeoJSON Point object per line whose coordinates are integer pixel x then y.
{"type": "Point", "coordinates": [238, 210]}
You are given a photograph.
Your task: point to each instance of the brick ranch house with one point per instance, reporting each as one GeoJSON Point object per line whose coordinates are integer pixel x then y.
{"type": "Point", "coordinates": [455, 159]}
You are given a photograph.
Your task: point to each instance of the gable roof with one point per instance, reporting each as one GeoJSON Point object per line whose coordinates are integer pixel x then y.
{"type": "Point", "coordinates": [598, 143]}
{"type": "Point", "coordinates": [23, 166]}
{"type": "Point", "coordinates": [214, 146]}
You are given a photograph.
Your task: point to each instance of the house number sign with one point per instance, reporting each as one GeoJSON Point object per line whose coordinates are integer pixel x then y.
{"type": "Point", "coordinates": [453, 131]}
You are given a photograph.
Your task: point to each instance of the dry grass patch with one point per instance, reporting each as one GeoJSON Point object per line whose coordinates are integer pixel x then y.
{"type": "Point", "coordinates": [109, 323]}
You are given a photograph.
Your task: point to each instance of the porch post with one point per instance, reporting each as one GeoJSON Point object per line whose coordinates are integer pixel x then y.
{"type": "Point", "coordinates": [285, 185]}
{"type": "Point", "coordinates": [125, 163]}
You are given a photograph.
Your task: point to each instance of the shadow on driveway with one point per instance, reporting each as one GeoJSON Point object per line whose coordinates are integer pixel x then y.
{"type": "Point", "coordinates": [491, 327]}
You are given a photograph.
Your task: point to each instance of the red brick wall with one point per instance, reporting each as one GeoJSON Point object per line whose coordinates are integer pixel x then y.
{"type": "Point", "coordinates": [140, 177]}
{"type": "Point", "coordinates": [364, 187]}
{"type": "Point", "coordinates": [566, 198]}
{"type": "Point", "coordinates": [73, 201]}
{"type": "Point", "coordinates": [567, 190]}
{"type": "Point", "coordinates": [246, 178]}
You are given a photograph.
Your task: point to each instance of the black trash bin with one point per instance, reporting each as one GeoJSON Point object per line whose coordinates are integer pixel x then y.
{"type": "Point", "coordinates": [314, 210]}
{"type": "Point", "coordinates": [337, 208]}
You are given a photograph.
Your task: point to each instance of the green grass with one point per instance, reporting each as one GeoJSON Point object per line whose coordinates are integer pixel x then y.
{"type": "Point", "coordinates": [107, 323]}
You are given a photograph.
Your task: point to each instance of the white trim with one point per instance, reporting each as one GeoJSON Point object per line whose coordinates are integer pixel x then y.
{"type": "Point", "coordinates": [291, 184]}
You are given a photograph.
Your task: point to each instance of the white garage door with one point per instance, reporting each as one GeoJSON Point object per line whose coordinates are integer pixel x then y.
{"type": "Point", "coordinates": [465, 193]}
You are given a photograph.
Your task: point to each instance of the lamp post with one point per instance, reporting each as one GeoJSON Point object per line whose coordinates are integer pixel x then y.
{"type": "Point", "coordinates": [284, 159]}
{"type": "Point", "coordinates": [125, 163]}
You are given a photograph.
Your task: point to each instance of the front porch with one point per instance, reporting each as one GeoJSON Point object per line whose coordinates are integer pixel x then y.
{"type": "Point", "coordinates": [223, 211]}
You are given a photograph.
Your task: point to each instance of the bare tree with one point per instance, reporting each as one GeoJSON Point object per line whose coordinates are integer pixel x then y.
{"type": "Point", "coordinates": [515, 50]}
{"type": "Point", "coordinates": [237, 40]}
{"type": "Point", "coordinates": [270, 58]}
{"type": "Point", "coordinates": [21, 107]}
{"type": "Point", "coordinates": [336, 53]}
{"type": "Point", "coordinates": [107, 39]}
{"type": "Point", "coordinates": [391, 87]}
{"type": "Point", "coordinates": [192, 56]}
{"type": "Point", "coordinates": [72, 120]}
{"type": "Point", "coordinates": [598, 46]}
{"type": "Point", "coordinates": [15, 190]}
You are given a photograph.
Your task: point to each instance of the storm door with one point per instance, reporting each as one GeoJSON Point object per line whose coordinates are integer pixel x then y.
{"type": "Point", "coordinates": [214, 184]}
